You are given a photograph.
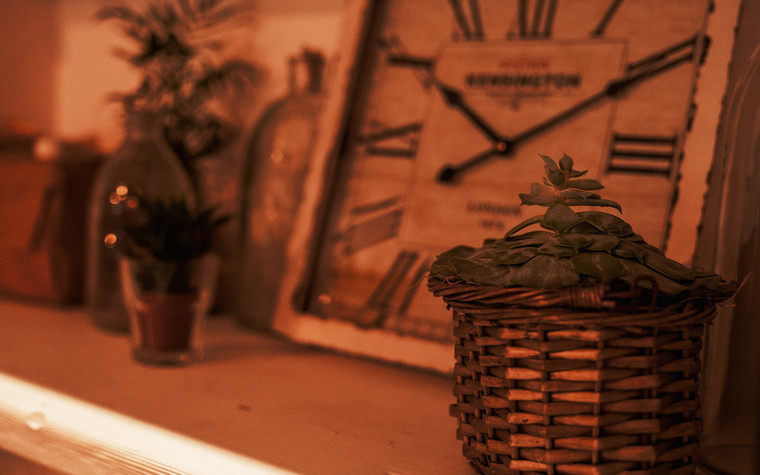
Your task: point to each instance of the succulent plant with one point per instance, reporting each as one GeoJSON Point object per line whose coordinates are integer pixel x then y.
{"type": "Point", "coordinates": [575, 248]}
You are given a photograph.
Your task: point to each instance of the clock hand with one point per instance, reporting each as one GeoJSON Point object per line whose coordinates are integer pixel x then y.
{"type": "Point", "coordinates": [639, 71]}
{"type": "Point", "coordinates": [453, 97]}
{"type": "Point", "coordinates": [449, 173]}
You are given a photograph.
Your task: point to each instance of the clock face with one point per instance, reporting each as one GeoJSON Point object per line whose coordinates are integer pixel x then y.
{"type": "Point", "coordinates": [452, 105]}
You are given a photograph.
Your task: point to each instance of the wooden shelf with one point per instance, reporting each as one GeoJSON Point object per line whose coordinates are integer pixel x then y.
{"type": "Point", "coordinates": [72, 398]}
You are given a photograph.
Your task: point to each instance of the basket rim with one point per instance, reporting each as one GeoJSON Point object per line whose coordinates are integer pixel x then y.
{"type": "Point", "coordinates": [580, 305]}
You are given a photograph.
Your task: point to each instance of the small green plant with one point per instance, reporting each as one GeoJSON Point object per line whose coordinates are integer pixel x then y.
{"type": "Point", "coordinates": [575, 248]}
{"type": "Point", "coordinates": [186, 79]}
{"type": "Point", "coordinates": [165, 237]}
{"type": "Point", "coordinates": [170, 230]}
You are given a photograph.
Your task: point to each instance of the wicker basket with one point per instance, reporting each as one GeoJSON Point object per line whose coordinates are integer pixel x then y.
{"type": "Point", "coordinates": [569, 382]}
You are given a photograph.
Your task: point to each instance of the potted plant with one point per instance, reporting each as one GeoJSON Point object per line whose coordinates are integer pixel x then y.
{"type": "Point", "coordinates": [168, 277]}
{"type": "Point", "coordinates": [200, 90]}
{"type": "Point", "coordinates": [577, 345]}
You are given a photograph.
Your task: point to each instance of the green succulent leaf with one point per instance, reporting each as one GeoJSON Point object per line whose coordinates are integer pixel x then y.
{"type": "Point", "coordinates": [481, 272]}
{"type": "Point", "coordinates": [557, 250]}
{"type": "Point", "coordinates": [573, 194]}
{"type": "Point", "coordinates": [572, 240]}
{"type": "Point", "coordinates": [442, 265]}
{"type": "Point", "coordinates": [602, 242]}
{"type": "Point", "coordinates": [560, 218]}
{"type": "Point", "coordinates": [550, 164]}
{"type": "Point", "coordinates": [587, 184]}
{"type": "Point", "coordinates": [599, 265]}
{"type": "Point", "coordinates": [634, 269]}
{"type": "Point", "coordinates": [515, 256]}
{"type": "Point", "coordinates": [631, 250]}
{"type": "Point", "coordinates": [634, 237]}
{"type": "Point", "coordinates": [594, 202]}
{"type": "Point", "coordinates": [566, 163]}
{"type": "Point", "coordinates": [545, 272]}
{"type": "Point", "coordinates": [606, 222]}
{"type": "Point", "coordinates": [521, 226]}
{"type": "Point", "coordinates": [554, 175]}
{"type": "Point", "coordinates": [541, 195]}
{"type": "Point", "coordinates": [669, 267]}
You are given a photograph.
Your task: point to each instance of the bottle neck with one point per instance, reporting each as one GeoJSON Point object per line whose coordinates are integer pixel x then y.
{"type": "Point", "coordinates": [305, 73]}
{"type": "Point", "coordinates": [143, 125]}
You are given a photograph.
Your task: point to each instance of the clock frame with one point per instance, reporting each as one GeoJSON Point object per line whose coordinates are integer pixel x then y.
{"type": "Point", "coordinates": [378, 206]}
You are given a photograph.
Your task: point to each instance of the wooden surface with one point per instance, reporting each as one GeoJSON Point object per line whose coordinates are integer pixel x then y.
{"type": "Point", "coordinates": [72, 397]}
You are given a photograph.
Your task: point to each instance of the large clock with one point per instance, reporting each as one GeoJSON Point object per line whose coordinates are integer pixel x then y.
{"type": "Point", "coordinates": [435, 123]}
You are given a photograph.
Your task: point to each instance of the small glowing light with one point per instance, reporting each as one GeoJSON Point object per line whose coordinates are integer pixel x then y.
{"type": "Point", "coordinates": [110, 240]}
{"type": "Point", "coordinates": [114, 198]}
{"type": "Point", "coordinates": [122, 190]}
{"type": "Point", "coordinates": [46, 149]}
{"type": "Point", "coordinates": [324, 299]}
{"type": "Point", "coordinates": [132, 202]}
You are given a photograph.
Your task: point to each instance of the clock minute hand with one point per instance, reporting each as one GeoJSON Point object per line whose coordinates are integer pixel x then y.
{"type": "Point", "coordinates": [449, 173]}
{"type": "Point", "coordinates": [636, 72]}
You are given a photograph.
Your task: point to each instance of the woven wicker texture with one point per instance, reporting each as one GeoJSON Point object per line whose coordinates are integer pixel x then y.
{"type": "Point", "coordinates": [544, 389]}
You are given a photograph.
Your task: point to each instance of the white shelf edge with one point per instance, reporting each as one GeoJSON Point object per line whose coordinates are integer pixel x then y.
{"type": "Point", "coordinates": [72, 436]}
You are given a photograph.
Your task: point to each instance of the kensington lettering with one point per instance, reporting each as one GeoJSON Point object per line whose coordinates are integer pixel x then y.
{"type": "Point", "coordinates": [538, 81]}
{"type": "Point", "coordinates": [489, 207]}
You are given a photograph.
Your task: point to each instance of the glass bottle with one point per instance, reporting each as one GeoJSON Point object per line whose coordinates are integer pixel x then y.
{"type": "Point", "coordinates": [143, 165]}
{"type": "Point", "coordinates": [276, 165]}
{"type": "Point", "coordinates": [730, 442]}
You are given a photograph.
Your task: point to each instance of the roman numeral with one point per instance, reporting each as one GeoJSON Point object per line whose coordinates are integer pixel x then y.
{"type": "Point", "coordinates": [468, 19]}
{"type": "Point", "coordinates": [400, 141]}
{"type": "Point", "coordinates": [372, 231]}
{"type": "Point", "coordinates": [668, 58]}
{"type": "Point", "coordinates": [601, 27]}
{"type": "Point", "coordinates": [643, 154]}
{"type": "Point", "coordinates": [409, 61]}
{"type": "Point", "coordinates": [402, 273]}
{"type": "Point", "coordinates": [535, 18]}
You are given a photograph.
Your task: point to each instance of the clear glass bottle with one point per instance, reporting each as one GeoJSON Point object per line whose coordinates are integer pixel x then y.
{"type": "Point", "coordinates": [143, 165]}
{"type": "Point", "coordinates": [276, 165]}
{"type": "Point", "coordinates": [730, 442]}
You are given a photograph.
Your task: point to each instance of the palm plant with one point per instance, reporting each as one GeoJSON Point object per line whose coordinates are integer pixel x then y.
{"type": "Point", "coordinates": [166, 237]}
{"type": "Point", "coordinates": [178, 49]}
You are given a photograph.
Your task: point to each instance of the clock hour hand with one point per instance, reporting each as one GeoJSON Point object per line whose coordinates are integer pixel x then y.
{"type": "Point", "coordinates": [453, 97]}
{"type": "Point", "coordinates": [636, 72]}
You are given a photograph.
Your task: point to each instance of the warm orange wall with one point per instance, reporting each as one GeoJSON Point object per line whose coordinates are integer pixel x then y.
{"type": "Point", "coordinates": [29, 51]}
{"type": "Point", "coordinates": [88, 71]}
{"type": "Point", "coordinates": [57, 69]}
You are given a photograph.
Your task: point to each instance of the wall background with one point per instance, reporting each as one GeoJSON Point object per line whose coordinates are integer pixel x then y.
{"type": "Point", "coordinates": [58, 70]}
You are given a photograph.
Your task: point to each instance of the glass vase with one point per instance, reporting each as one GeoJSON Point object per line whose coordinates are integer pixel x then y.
{"type": "Point", "coordinates": [168, 303]}
{"type": "Point", "coordinates": [143, 166]}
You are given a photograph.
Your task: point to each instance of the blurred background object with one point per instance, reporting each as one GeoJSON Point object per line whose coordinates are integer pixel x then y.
{"type": "Point", "coordinates": [276, 164]}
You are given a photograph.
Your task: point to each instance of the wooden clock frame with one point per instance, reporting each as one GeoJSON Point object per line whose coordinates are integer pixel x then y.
{"type": "Point", "coordinates": [291, 319]}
